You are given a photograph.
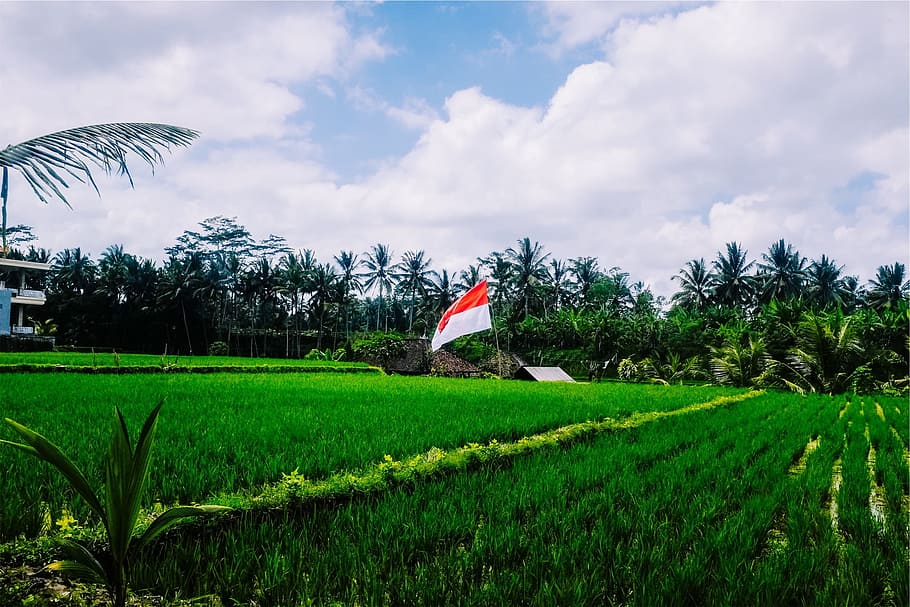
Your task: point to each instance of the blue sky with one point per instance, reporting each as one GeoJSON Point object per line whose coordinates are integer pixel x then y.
{"type": "Point", "coordinates": [435, 49]}
{"type": "Point", "coordinates": [644, 134]}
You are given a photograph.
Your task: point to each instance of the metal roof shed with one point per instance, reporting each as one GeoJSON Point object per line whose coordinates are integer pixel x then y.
{"type": "Point", "coordinates": [542, 374]}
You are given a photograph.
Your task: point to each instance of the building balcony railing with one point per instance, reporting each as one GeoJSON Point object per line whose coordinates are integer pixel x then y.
{"type": "Point", "coordinates": [28, 293]}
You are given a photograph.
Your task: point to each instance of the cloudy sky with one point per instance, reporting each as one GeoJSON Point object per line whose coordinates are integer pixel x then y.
{"type": "Point", "coordinates": [644, 134]}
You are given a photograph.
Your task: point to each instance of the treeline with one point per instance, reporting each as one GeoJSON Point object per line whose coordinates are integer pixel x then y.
{"type": "Point", "coordinates": [778, 320]}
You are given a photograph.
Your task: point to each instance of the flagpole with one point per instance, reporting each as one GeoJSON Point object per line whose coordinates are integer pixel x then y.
{"type": "Point", "coordinates": [496, 337]}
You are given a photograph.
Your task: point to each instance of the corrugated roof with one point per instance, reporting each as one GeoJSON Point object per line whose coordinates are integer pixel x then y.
{"type": "Point", "coordinates": [543, 374]}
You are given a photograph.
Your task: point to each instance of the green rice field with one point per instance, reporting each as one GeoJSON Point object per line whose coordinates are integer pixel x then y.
{"type": "Point", "coordinates": [551, 494]}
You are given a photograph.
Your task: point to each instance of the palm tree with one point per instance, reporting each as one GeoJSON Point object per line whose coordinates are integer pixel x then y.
{"type": "Point", "coordinates": [826, 355]}
{"type": "Point", "coordinates": [528, 268]}
{"type": "Point", "coordinates": [782, 274]}
{"type": "Point", "coordinates": [469, 278]}
{"type": "Point", "coordinates": [500, 272]}
{"type": "Point", "coordinates": [324, 284]}
{"type": "Point", "coordinates": [349, 283]}
{"type": "Point", "coordinates": [293, 281]}
{"type": "Point", "coordinates": [558, 282]}
{"type": "Point", "coordinates": [888, 288]}
{"type": "Point", "coordinates": [50, 161]}
{"type": "Point", "coordinates": [413, 275]}
{"type": "Point", "coordinates": [378, 263]}
{"type": "Point", "coordinates": [178, 285]}
{"type": "Point", "coordinates": [586, 274]}
{"type": "Point", "coordinates": [614, 292]}
{"type": "Point", "coordinates": [442, 293]}
{"type": "Point", "coordinates": [731, 283]}
{"type": "Point", "coordinates": [826, 290]}
{"type": "Point", "coordinates": [112, 274]}
{"type": "Point", "coordinates": [73, 272]}
{"type": "Point", "coordinates": [695, 290]}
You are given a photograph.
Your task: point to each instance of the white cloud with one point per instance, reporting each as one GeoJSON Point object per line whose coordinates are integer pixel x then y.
{"type": "Point", "coordinates": [728, 122]}
{"type": "Point", "coordinates": [569, 24]}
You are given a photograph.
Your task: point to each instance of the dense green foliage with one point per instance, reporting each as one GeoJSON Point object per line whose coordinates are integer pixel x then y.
{"type": "Point", "coordinates": [800, 325]}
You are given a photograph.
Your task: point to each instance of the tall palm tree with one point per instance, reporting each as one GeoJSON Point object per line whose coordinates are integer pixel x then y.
{"type": "Point", "coordinates": [113, 268]}
{"type": "Point", "coordinates": [293, 281]}
{"type": "Point", "coordinates": [695, 290]}
{"type": "Point", "coordinates": [348, 283]}
{"type": "Point", "coordinates": [379, 274]}
{"type": "Point", "coordinates": [413, 274]}
{"type": "Point", "coordinates": [49, 162]}
{"type": "Point", "coordinates": [73, 272]}
{"type": "Point", "coordinates": [558, 282]}
{"type": "Point", "coordinates": [825, 288]}
{"type": "Point", "coordinates": [178, 285]}
{"type": "Point", "coordinates": [469, 278]}
{"type": "Point", "coordinates": [500, 271]}
{"type": "Point", "coordinates": [614, 292]}
{"type": "Point", "coordinates": [888, 288]}
{"type": "Point", "coordinates": [442, 293]}
{"type": "Point", "coordinates": [781, 274]}
{"type": "Point", "coordinates": [529, 269]}
{"type": "Point", "coordinates": [732, 285]}
{"type": "Point", "coordinates": [324, 283]}
{"type": "Point", "coordinates": [586, 274]}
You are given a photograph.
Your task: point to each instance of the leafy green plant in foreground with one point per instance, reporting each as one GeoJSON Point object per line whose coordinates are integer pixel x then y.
{"type": "Point", "coordinates": [125, 471]}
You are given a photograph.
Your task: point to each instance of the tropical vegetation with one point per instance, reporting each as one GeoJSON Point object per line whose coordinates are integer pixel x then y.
{"type": "Point", "coordinates": [802, 325]}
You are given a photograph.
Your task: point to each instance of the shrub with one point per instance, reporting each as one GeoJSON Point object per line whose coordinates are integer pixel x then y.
{"type": "Point", "coordinates": [218, 348]}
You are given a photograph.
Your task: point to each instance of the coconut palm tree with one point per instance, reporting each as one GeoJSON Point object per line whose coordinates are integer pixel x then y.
{"type": "Point", "coordinates": [379, 265]}
{"type": "Point", "coordinates": [586, 274]}
{"type": "Point", "coordinates": [294, 280]}
{"type": "Point", "coordinates": [781, 274]}
{"type": "Point", "coordinates": [48, 163]}
{"type": "Point", "coordinates": [413, 274]}
{"type": "Point", "coordinates": [500, 272]}
{"type": "Point", "coordinates": [73, 272]}
{"type": "Point", "coordinates": [732, 285]}
{"type": "Point", "coordinates": [348, 283]}
{"type": "Point", "coordinates": [112, 274]}
{"type": "Point", "coordinates": [469, 278]}
{"type": "Point", "coordinates": [324, 281]}
{"type": "Point", "coordinates": [528, 269]}
{"type": "Point", "coordinates": [889, 287]}
{"type": "Point", "coordinates": [827, 353]}
{"type": "Point", "coordinates": [442, 293]}
{"type": "Point", "coordinates": [558, 282]}
{"type": "Point", "coordinates": [178, 286]}
{"type": "Point", "coordinates": [826, 290]}
{"type": "Point", "coordinates": [694, 286]}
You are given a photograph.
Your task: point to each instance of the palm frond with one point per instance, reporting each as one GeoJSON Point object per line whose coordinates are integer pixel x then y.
{"type": "Point", "coordinates": [50, 161]}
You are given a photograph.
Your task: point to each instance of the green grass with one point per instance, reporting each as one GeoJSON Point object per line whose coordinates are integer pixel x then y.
{"type": "Point", "coordinates": [225, 433]}
{"type": "Point", "coordinates": [674, 512]}
{"type": "Point", "coordinates": [699, 507]}
{"type": "Point", "coordinates": [108, 359]}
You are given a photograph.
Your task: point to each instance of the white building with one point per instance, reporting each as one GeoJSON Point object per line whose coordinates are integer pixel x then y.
{"type": "Point", "coordinates": [15, 298]}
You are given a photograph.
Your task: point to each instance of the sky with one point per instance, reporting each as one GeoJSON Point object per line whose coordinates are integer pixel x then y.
{"type": "Point", "coordinates": [644, 134]}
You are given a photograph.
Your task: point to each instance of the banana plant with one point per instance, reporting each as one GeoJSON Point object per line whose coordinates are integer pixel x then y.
{"type": "Point", "coordinates": [126, 471]}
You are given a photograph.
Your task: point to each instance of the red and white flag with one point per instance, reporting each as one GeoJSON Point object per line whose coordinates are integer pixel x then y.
{"type": "Point", "coordinates": [470, 314]}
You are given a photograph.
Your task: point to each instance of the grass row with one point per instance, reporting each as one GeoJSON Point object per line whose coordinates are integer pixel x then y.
{"type": "Point", "coordinates": [668, 513]}
{"type": "Point", "coordinates": [225, 433]}
{"type": "Point", "coordinates": [38, 361]}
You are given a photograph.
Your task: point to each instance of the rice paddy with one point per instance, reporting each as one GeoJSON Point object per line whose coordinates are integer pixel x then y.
{"type": "Point", "coordinates": [377, 490]}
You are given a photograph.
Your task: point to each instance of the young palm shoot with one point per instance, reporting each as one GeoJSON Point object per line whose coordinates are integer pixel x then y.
{"type": "Point", "coordinates": [126, 471]}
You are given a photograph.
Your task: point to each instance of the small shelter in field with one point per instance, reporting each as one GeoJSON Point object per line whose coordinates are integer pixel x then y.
{"type": "Point", "coordinates": [542, 374]}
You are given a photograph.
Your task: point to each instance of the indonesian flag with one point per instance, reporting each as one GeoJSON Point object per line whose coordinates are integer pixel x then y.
{"type": "Point", "coordinates": [470, 314]}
